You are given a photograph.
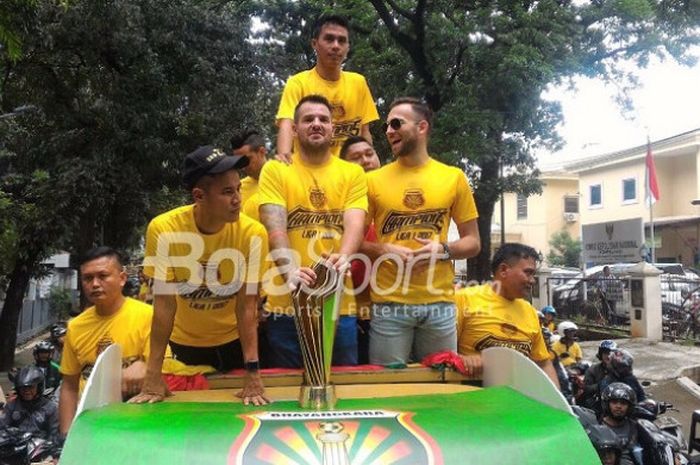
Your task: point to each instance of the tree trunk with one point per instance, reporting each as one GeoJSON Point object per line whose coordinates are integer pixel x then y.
{"type": "Point", "coordinates": [479, 267]}
{"type": "Point", "coordinates": [9, 319]}
{"type": "Point", "coordinates": [86, 241]}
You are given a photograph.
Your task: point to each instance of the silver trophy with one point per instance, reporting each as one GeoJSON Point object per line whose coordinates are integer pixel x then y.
{"type": "Point", "coordinates": [316, 311]}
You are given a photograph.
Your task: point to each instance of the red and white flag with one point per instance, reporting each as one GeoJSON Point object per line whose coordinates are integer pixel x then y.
{"type": "Point", "coordinates": [652, 185]}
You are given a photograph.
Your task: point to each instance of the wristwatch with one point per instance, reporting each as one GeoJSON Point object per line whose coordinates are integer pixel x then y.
{"type": "Point", "coordinates": [446, 250]}
{"type": "Point", "coordinates": [252, 367]}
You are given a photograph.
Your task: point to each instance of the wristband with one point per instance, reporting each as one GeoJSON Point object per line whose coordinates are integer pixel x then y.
{"type": "Point", "coordinates": [446, 250]}
{"type": "Point", "coordinates": [252, 366]}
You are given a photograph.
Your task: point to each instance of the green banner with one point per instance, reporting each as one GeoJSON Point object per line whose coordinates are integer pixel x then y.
{"type": "Point", "coordinates": [489, 426]}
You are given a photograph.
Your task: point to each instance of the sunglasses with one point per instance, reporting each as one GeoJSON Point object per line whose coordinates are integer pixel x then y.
{"type": "Point", "coordinates": [393, 123]}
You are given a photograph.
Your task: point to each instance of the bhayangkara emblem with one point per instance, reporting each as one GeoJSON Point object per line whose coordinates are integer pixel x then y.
{"type": "Point", "coordinates": [333, 438]}
{"type": "Point", "coordinates": [413, 199]}
{"type": "Point", "coordinates": [317, 197]}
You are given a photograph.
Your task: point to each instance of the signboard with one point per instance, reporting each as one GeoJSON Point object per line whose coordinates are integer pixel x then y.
{"type": "Point", "coordinates": [613, 242]}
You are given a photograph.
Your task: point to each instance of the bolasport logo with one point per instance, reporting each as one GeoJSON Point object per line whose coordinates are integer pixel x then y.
{"type": "Point", "coordinates": [181, 262]}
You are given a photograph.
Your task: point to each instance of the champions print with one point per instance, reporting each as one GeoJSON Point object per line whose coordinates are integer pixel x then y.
{"type": "Point", "coordinates": [426, 219]}
{"type": "Point", "coordinates": [301, 217]}
{"type": "Point", "coordinates": [524, 347]}
{"type": "Point", "coordinates": [333, 438]}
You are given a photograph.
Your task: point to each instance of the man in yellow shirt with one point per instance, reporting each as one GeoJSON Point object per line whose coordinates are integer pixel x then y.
{"type": "Point", "coordinates": [411, 202]}
{"type": "Point", "coordinates": [206, 262]}
{"type": "Point", "coordinates": [313, 208]}
{"type": "Point", "coordinates": [357, 150]}
{"type": "Point", "coordinates": [250, 144]}
{"type": "Point", "coordinates": [497, 315]}
{"type": "Point", "coordinates": [350, 98]}
{"type": "Point", "coordinates": [566, 348]}
{"type": "Point", "coordinates": [113, 319]}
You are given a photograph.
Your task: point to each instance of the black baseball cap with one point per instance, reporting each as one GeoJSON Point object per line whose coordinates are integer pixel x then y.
{"type": "Point", "coordinates": [208, 159]}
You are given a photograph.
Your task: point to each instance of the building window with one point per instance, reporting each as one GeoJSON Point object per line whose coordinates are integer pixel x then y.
{"type": "Point", "coordinates": [596, 198]}
{"type": "Point", "coordinates": [522, 207]}
{"type": "Point", "coordinates": [629, 190]}
{"type": "Point", "coordinates": [571, 204]}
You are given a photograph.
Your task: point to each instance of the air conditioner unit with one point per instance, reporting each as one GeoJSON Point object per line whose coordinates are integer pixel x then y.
{"type": "Point", "coordinates": [571, 217]}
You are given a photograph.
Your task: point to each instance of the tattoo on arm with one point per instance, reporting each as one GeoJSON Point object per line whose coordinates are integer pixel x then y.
{"type": "Point", "coordinates": [274, 218]}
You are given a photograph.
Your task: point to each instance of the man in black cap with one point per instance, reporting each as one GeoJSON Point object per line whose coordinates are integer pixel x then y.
{"type": "Point", "coordinates": [206, 263]}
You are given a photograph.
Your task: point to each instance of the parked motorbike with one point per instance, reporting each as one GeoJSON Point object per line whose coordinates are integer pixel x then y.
{"type": "Point", "coordinates": [18, 448]}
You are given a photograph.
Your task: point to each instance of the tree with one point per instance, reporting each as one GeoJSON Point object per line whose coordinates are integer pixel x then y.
{"type": "Point", "coordinates": [483, 67]}
{"type": "Point", "coordinates": [565, 250]}
{"type": "Point", "coordinates": [122, 91]}
{"type": "Point", "coordinates": [13, 13]}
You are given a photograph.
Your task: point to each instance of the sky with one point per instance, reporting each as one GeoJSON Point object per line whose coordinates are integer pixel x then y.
{"type": "Point", "coordinates": [667, 103]}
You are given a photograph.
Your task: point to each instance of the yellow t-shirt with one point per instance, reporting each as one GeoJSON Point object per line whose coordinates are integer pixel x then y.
{"type": "Point", "coordinates": [573, 352]}
{"type": "Point", "coordinates": [249, 186]}
{"type": "Point", "coordinates": [350, 98]}
{"type": "Point", "coordinates": [207, 280]}
{"type": "Point", "coordinates": [90, 333]}
{"type": "Point", "coordinates": [252, 205]}
{"type": "Point", "coordinates": [410, 203]}
{"type": "Point", "coordinates": [315, 198]}
{"type": "Point", "coordinates": [485, 319]}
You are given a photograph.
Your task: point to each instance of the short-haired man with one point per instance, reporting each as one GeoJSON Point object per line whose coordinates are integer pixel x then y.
{"type": "Point", "coordinates": [251, 145]}
{"type": "Point", "coordinates": [411, 202]}
{"type": "Point", "coordinates": [351, 102]}
{"type": "Point", "coordinates": [313, 208]}
{"type": "Point", "coordinates": [205, 260]}
{"type": "Point", "coordinates": [497, 314]}
{"type": "Point", "coordinates": [112, 319]}
{"type": "Point", "coordinates": [356, 149]}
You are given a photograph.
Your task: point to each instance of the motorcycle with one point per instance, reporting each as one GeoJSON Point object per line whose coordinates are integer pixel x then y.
{"type": "Point", "coordinates": [576, 374]}
{"type": "Point", "coordinates": [660, 439]}
{"type": "Point", "coordinates": [18, 448]}
{"type": "Point", "coordinates": [663, 434]}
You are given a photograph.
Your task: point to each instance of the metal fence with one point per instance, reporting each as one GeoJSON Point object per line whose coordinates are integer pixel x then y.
{"type": "Point", "coordinates": [607, 303]}
{"type": "Point", "coordinates": [680, 307]}
{"type": "Point", "coordinates": [596, 301]}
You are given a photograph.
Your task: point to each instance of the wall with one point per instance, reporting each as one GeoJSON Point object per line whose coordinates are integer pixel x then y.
{"type": "Point", "coordinates": [545, 214]}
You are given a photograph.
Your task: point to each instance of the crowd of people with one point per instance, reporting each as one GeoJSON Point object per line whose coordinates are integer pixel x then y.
{"type": "Point", "coordinates": [218, 273]}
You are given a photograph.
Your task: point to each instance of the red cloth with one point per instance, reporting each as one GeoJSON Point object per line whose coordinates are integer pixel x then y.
{"type": "Point", "coordinates": [358, 270]}
{"type": "Point", "coordinates": [186, 383]}
{"type": "Point", "coordinates": [446, 358]}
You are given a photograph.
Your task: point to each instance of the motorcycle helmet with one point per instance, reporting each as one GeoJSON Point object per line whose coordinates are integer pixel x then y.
{"type": "Point", "coordinates": [618, 391]}
{"type": "Point", "coordinates": [58, 330]}
{"type": "Point", "coordinates": [549, 309]}
{"type": "Point", "coordinates": [565, 326]}
{"type": "Point", "coordinates": [621, 363]}
{"type": "Point", "coordinates": [43, 346]}
{"type": "Point", "coordinates": [540, 315]}
{"type": "Point", "coordinates": [30, 376]}
{"type": "Point", "coordinates": [606, 346]}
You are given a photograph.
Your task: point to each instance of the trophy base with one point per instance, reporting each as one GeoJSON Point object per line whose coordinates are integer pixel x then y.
{"type": "Point", "coordinates": [317, 397]}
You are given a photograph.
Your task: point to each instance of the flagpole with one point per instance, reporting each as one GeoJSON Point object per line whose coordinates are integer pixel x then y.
{"type": "Point", "coordinates": [650, 194]}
